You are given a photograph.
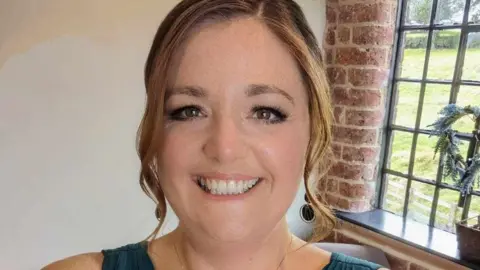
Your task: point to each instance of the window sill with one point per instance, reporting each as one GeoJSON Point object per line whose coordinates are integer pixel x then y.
{"type": "Point", "coordinates": [424, 237]}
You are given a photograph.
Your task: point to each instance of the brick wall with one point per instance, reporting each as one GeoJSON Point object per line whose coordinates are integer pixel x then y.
{"type": "Point", "coordinates": [358, 46]}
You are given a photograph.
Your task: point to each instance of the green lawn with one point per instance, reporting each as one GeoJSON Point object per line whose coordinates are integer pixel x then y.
{"type": "Point", "coordinates": [441, 67]}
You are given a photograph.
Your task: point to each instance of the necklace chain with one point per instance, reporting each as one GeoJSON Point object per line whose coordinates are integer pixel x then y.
{"type": "Point", "coordinates": [281, 262]}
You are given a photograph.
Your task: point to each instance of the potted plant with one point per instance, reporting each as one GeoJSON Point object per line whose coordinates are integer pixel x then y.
{"type": "Point", "coordinates": [464, 171]}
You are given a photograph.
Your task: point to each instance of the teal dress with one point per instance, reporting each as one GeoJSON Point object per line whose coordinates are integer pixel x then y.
{"type": "Point", "coordinates": [135, 257]}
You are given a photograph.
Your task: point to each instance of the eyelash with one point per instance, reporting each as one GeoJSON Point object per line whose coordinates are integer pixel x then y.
{"type": "Point", "coordinates": [174, 115]}
{"type": "Point", "coordinates": [281, 115]}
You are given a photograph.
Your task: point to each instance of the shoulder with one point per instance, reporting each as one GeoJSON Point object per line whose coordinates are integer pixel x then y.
{"type": "Point", "coordinates": [90, 261]}
{"type": "Point", "coordinates": [340, 261]}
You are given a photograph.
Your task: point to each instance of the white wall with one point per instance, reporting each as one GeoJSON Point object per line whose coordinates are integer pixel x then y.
{"type": "Point", "coordinates": [71, 97]}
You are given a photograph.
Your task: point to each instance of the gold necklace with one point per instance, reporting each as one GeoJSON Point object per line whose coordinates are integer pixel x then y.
{"type": "Point", "coordinates": [281, 262]}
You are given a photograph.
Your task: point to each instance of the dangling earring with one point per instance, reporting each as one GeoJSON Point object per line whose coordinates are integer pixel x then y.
{"type": "Point", "coordinates": [306, 211]}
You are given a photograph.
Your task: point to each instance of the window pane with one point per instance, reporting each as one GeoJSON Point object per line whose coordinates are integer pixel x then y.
{"type": "Point", "coordinates": [450, 12]}
{"type": "Point", "coordinates": [413, 58]}
{"type": "Point", "coordinates": [420, 203]}
{"type": "Point", "coordinates": [407, 104]}
{"type": "Point", "coordinates": [436, 98]}
{"type": "Point", "coordinates": [474, 15]}
{"type": "Point", "coordinates": [395, 194]}
{"type": "Point", "coordinates": [443, 54]}
{"type": "Point", "coordinates": [400, 151]}
{"type": "Point", "coordinates": [418, 12]}
{"type": "Point", "coordinates": [425, 166]}
{"type": "Point", "coordinates": [471, 65]}
{"type": "Point", "coordinates": [467, 95]}
{"type": "Point", "coordinates": [447, 210]}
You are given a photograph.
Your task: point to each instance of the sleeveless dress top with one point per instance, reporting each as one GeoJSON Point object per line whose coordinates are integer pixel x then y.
{"type": "Point", "coordinates": [135, 257]}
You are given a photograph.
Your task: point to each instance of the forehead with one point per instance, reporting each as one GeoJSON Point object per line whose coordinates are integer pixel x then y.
{"type": "Point", "coordinates": [234, 54]}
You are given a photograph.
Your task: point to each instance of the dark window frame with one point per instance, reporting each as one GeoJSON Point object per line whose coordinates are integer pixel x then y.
{"type": "Point", "coordinates": [455, 84]}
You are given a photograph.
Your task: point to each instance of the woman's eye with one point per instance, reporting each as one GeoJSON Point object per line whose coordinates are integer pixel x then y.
{"type": "Point", "coordinates": [269, 115]}
{"type": "Point", "coordinates": [185, 113]}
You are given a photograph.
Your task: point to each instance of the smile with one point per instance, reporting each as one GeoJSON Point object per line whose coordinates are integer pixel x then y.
{"type": "Point", "coordinates": [226, 187]}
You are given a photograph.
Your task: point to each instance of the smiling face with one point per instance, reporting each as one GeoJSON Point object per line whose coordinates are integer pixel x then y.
{"type": "Point", "coordinates": [236, 131]}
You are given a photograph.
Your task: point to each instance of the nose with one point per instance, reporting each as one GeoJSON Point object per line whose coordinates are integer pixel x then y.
{"type": "Point", "coordinates": [225, 142]}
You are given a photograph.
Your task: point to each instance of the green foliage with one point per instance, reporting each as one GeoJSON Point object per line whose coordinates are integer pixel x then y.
{"type": "Point", "coordinates": [446, 39]}
{"type": "Point", "coordinates": [453, 162]}
{"type": "Point", "coordinates": [441, 40]}
{"type": "Point", "coordinates": [415, 41]}
{"type": "Point", "coordinates": [464, 174]}
{"type": "Point", "coordinates": [419, 11]}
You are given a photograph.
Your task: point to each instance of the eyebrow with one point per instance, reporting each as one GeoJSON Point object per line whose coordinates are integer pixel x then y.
{"type": "Point", "coordinates": [260, 89]}
{"type": "Point", "coordinates": [252, 90]}
{"type": "Point", "coordinates": [193, 91]}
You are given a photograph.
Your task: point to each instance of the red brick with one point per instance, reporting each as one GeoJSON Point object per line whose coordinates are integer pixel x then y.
{"type": "Point", "coordinates": [343, 35]}
{"type": "Point", "coordinates": [331, 15]}
{"type": "Point", "coordinates": [363, 12]}
{"type": "Point", "coordinates": [351, 171]}
{"type": "Point", "coordinates": [397, 263]}
{"type": "Point", "coordinates": [332, 185]}
{"type": "Point", "coordinates": [337, 150]}
{"type": "Point", "coordinates": [322, 184]}
{"type": "Point", "coordinates": [356, 98]}
{"type": "Point", "coordinates": [364, 118]}
{"type": "Point", "coordinates": [359, 206]}
{"type": "Point", "coordinates": [356, 191]}
{"type": "Point", "coordinates": [337, 202]}
{"type": "Point", "coordinates": [354, 136]}
{"type": "Point", "coordinates": [339, 114]}
{"type": "Point", "coordinates": [373, 35]}
{"type": "Point", "coordinates": [361, 154]}
{"type": "Point", "coordinates": [393, 14]}
{"type": "Point", "coordinates": [329, 56]}
{"type": "Point", "coordinates": [367, 77]}
{"type": "Point", "coordinates": [336, 75]}
{"type": "Point", "coordinates": [330, 39]}
{"type": "Point", "coordinates": [361, 56]}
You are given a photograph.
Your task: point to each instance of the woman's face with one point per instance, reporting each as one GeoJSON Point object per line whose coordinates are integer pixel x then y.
{"type": "Point", "coordinates": [236, 131]}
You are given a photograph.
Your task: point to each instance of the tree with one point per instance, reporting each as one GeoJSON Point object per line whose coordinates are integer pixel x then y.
{"type": "Point", "coordinates": [475, 11]}
{"type": "Point", "coordinates": [418, 11]}
{"type": "Point", "coordinates": [447, 10]}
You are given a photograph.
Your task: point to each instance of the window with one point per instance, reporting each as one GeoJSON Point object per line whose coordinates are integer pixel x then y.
{"type": "Point", "coordinates": [437, 62]}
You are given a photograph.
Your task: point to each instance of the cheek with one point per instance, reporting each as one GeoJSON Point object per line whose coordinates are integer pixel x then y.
{"type": "Point", "coordinates": [285, 153]}
{"type": "Point", "coordinates": [177, 149]}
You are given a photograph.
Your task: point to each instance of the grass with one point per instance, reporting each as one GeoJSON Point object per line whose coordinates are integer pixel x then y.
{"type": "Point", "coordinates": [441, 66]}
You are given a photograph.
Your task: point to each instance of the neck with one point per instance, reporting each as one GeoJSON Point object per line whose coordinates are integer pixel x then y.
{"type": "Point", "coordinates": [268, 252]}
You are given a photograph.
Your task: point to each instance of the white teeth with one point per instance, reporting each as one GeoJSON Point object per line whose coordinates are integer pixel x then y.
{"type": "Point", "coordinates": [239, 187]}
{"type": "Point", "coordinates": [222, 187]}
{"type": "Point", "coordinates": [231, 189]}
{"type": "Point", "coordinates": [226, 187]}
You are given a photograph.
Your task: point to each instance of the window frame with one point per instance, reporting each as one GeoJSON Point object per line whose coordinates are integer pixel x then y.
{"type": "Point", "coordinates": [389, 126]}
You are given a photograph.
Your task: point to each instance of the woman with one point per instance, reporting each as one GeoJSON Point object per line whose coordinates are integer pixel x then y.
{"type": "Point", "coordinates": [237, 113]}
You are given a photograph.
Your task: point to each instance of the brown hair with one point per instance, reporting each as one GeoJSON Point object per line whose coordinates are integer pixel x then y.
{"type": "Point", "coordinates": [285, 19]}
